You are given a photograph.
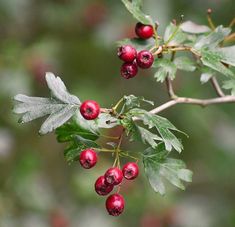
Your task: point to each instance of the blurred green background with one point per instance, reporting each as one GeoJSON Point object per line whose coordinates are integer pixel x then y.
{"type": "Point", "coordinates": [75, 39]}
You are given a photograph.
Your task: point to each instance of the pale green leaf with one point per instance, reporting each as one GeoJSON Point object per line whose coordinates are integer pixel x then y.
{"type": "Point", "coordinates": [185, 63]}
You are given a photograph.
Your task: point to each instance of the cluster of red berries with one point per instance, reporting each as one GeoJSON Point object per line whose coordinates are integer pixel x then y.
{"type": "Point", "coordinates": [132, 60]}
{"type": "Point", "coordinates": [115, 203]}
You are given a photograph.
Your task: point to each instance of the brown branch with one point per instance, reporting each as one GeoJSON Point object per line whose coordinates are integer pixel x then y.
{"type": "Point", "coordinates": [199, 102]}
{"type": "Point", "coordinates": [217, 87]}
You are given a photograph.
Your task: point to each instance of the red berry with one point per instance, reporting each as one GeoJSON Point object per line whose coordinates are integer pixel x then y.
{"type": "Point", "coordinates": [144, 59]}
{"type": "Point", "coordinates": [129, 70]}
{"type": "Point", "coordinates": [90, 110]}
{"type": "Point", "coordinates": [113, 176]}
{"type": "Point", "coordinates": [115, 204]}
{"type": "Point", "coordinates": [143, 31]}
{"type": "Point", "coordinates": [130, 170]}
{"type": "Point", "coordinates": [88, 158]}
{"type": "Point", "coordinates": [101, 187]}
{"type": "Point", "coordinates": [127, 53]}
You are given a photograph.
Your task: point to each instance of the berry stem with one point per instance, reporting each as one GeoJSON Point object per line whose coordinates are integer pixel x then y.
{"type": "Point", "coordinates": [129, 156]}
{"type": "Point", "coordinates": [118, 103]}
{"type": "Point", "coordinates": [210, 21]}
{"type": "Point", "coordinates": [232, 23]}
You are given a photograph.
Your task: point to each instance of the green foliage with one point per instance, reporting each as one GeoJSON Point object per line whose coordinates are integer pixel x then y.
{"type": "Point", "coordinates": [162, 125]}
{"type": "Point", "coordinates": [60, 107]}
{"type": "Point", "coordinates": [230, 84]}
{"type": "Point", "coordinates": [134, 7]}
{"type": "Point", "coordinates": [174, 35]}
{"type": "Point", "coordinates": [159, 167]}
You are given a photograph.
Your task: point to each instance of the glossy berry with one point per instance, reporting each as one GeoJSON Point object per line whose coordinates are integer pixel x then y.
{"type": "Point", "coordinates": [130, 170]}
{"type": "Point", "coordinates": [129, 70]}
{"type": "Point", "coordinates": [88, 158]}
{"type": "Point", "coordinates": [101, 187]}
{"type": "Point", "coordinates": [144, 59]}
{"type": "Point", "coordinates": [90, 110]}
{"type": "Point", "coordinates": [115, 204]}
{"type": "Point", "coordinates": [127, 53]}
{"type": "Point", "coordinates": [113, 176]}
{"type": "Point", "coordinates": [143, 31]}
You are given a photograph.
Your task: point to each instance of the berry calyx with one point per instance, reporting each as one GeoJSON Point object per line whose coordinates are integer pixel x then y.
{"type": "Point", "coordinates": [90, 110]}
{"type": "Point", "coordinates": [115, 204]}
{"type": "Point", "coordinates": [130, 170]}
{"type": "Point", "coordinates": [101, 187]}
{"type": "Point", "coordinates": [88, 158]}
{"type": "Point", "coordinates": [144, 59]}
{"type": "Point", "coordinates": [113, 176]}
{"type": "Point", "coordinates": [144, 31]}
{"type": "Point", "coordinates": [127, 53]}
{"type": "Point", "coordinates": [129, 70]}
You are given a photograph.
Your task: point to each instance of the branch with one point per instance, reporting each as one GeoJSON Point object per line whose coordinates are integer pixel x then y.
{"type": "Point", "coordinates": [199, 102]}
{"type": "Point", "coordinates": [217, 87]}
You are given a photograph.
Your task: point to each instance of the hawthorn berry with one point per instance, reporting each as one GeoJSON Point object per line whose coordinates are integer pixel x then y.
{"type": "Point", "coordinates": [144, 59]}
{"type": "Point", "coordinates": [130, 170]}
{"type": "Point", "coordinates": [113, 176]}
{"type": "Point", "coordinates": [90, 110]}
{"type": "Point", "coordinates": [88, 158]}
{"type": "Point", "coordinates": [127, 53]}
{"type": "Point", "coordinates": [129, 70]}
{"type": "Point", "coordinates": [143, 31]}
{"type": "Point", "coordinates": [101, 187]}
{"type": "Point", "coordinates": [115, 204]}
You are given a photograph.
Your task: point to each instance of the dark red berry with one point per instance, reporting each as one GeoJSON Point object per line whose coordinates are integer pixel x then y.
{"type": "Point", "coordinates": [115, 204]}
{"type": "Point", "coordinates": [144, 59]}
{"type": "Point", "coordinates": [129, 70]}
{"type": "Point", "coordinates": [143, 31]}
{"type": "Point", "coordinates": [101, 187]}
{"type": "Point", "coordinates": [90, 110]}
{"type": "Point", "coordinates": [88, 158]}
{"type": "Point", "coordinates": [130, 170]}
{"type": "Point", "coordinates": [127, 53]}
{"type": "Point", "coordinates": [113, 176]}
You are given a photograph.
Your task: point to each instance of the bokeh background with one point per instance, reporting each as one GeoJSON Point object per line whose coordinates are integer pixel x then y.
{"type": "Point", "coordinates": [75, 39]}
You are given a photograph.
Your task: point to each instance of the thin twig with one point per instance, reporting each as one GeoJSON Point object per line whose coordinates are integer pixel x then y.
{"type": "Point", "coordinates": [200, 102]}
{"type": "Point", "coordinates": [217, 87]}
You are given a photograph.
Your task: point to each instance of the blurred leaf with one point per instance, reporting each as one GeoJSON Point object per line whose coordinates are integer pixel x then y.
{"type": "Point", "coordinates": [227, 54]}
{"type": "Point", "coordinates": [184, 63]}
{"type": "Point", "coordinates": [230, 84]}
{"type": "Point", "coordinates": [134, 7]}
{"type": "Point", "coordinates": [106, 121]}
{"type": "Point", "coordinates": [212, 39]}
{"type": "Point", "coordinates": [131, 101]}
{"type": "Point", "coordinates": [191, 27]}
{"type": "Point", "coordinates": [165, 68]}
{"type": "Point", "coordinates": [207, 73]}
{"type": "Point", "coordinates": [162, 125]}
{"type": "Point", "coordinates": [61, 107]}
{"type": "Point", "coordinates": [213, 60]}
{"type": "Point", "coordinates": [159, 167]}
{"type": "Point", "coordinates": [173, 35]}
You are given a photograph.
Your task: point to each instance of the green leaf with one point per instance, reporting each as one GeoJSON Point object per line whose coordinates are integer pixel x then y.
{"type": "Point", "coordinates": [159, 167]}
{"type": "Point", "coordinates": [132, 101]}
{"type": "Point", "coordinates": [163, 126]}
{"type": "Point", "coordinates": [207, 73]}
{"type": "Point", "coordinates": [213, 60]}
{"type": "Point", "coordinates": [165, 68]}
{"type": "Point", "coordinates": [227, 54]}
{"type": "Point", "coordinates": [60, 108]}
{"type": "Point", "coordinates": [139, 44]}
{"type": "Point", "coordinates": [139, 133]}
{"type": "Point", "coordinates": [106, 121]}
{"type": "Point", "coordinates": [184, 63]}
{"type": "Point", "coordinates": [212, 39]}
{"type": "Point", "coordinates": [230, 84]}
{"type": "Point", "coordinates": [77, 137]}
{"type": "Point", "coordinates": [191, 27]}
{"type": "Point", "coordinates": [174, 35]}
{"type": "Point", "coordinates": [134, 7]}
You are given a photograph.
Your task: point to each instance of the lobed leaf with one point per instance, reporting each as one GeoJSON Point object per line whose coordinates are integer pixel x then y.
{"type": "Point", "coordinates": [174, 35]}
{"type": "Point", "coordinates": [159, 167]}
{"type": "Point", "coordinates": [191, 27]}
{"type": "Point", "coordinates": [185, 63]}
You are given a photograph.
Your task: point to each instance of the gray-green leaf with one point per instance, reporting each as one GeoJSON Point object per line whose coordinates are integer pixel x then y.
{"type": "Point", "coordinates": [184, 63]}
